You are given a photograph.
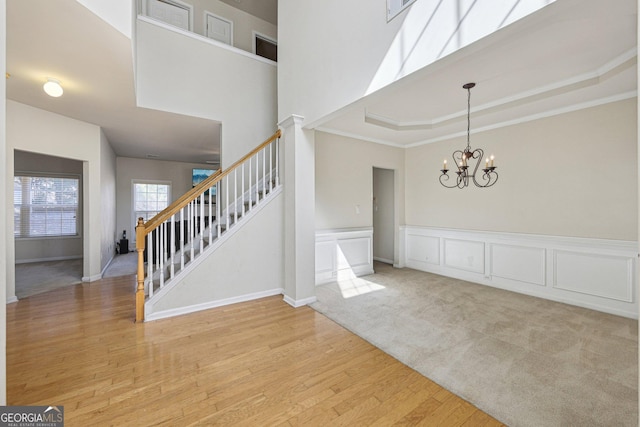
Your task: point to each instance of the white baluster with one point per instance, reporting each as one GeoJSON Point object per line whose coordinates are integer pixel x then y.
{"type": "Point", "coordinates": [242, 190]}
{"type": "Point", "coordinates": [150, 262]}
{"type": "Point", "coordinates": [271, 166]}
{"type": "Point", "coordinates": [226, 197]}
{"type": "Point", "coordinates": [182, 238]}
{"type": "Point", "coordinates": [201, 223]}
{"type": "Point", "coordinates": [235, 196]}
{"type": "Point", "coordinates": [264, 173]}
{"type": "Point", "coordinates": [277, 162]}
{"type": "Point", "coordinates": [191, 229]}
{"type": "Point", "coordinates": [210, 219]}
{"type": "Point", "coordinates": [161, 244]}
{"type": "Point", "coordinates": [250, 186]}
{"type": "Point", "coordinates": [218, 219]}
{"type": "Point", "coordinates": [173, 245]}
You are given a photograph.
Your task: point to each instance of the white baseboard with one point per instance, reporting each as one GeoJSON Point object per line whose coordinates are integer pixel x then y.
{"type": "Point", "coordinates": [106, 266]}
{"type": "Point", "coordinates": [385, 260]}
{"type": "Point", "coordinates": [343, 252]}
{"type": "Point", "coordinates": [210, 304]}
{"type": "Point", "coordinates": [299, 303]}
{"type": "Point", "coordinates": [11, 300]}
{"type": "Point", "coordinates": [592, 273]}
{"type": "Point", "coordinates": [92, 278]}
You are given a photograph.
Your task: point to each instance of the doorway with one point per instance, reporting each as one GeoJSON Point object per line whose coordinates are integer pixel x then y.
{"type": "Point", "coordinates": [383, 215]}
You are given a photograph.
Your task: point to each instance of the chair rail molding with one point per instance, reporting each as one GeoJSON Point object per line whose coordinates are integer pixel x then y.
{"type": "Point", "coordinates": [598, 274]}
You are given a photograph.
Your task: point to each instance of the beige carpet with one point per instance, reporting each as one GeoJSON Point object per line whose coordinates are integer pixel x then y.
{"type": "Point", "coordinates": [122, 265]}
{"type": "Point", "coordinates": [524, 360]}
{"type": "Point", "coordinates": [35, 278]}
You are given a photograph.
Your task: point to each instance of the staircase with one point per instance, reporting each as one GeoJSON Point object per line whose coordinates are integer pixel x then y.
{"type": "Point", "coordinates": [173, 242]}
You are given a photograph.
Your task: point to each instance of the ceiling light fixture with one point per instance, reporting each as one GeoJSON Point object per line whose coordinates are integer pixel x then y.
{"type": "Point", "coordinates": [53, 88]}
{"type": "Point", "coordinates": [463, 158]}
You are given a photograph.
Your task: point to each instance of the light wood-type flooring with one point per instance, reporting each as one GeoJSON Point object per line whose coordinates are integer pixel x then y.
{"type": "Point", "coordinates": [256, 363]}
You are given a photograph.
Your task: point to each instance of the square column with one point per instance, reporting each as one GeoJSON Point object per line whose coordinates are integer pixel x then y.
{"type": "Point", "coordinates": [298, 149]}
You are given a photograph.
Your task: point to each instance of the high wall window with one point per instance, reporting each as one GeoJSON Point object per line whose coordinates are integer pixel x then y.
{"type": "Point", "coordinates": [394, 7]}
{"type": "Point", "coordinates": [45, 206]}
{"type": "Point", "coordinates": [150, 198]}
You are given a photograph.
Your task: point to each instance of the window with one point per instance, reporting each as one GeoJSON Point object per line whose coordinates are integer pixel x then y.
{"type": "Point", "coordinates": [149, 199]}
{"type": "Point", "coordinates": [265, 47]}
{"type": "Point", "coordinates": [45, 206]}
{"type": "Point", "coordinates": [394, 7]}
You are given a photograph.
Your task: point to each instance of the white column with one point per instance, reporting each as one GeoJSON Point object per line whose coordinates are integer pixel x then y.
{"type": "Point", "coordinates": [298, 178]}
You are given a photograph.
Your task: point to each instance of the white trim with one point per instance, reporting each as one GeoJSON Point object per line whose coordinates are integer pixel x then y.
{"type": "Point", "coordinates": [385, 260]}
{"type": "Point", "coordinates": [206, 23]}
{"type": "Point", "coordinates": [11, 300]}
{"type": "Point", "coordinates": [529, 264]}
{"type": "Point", "coordinates": [292, 120]}
{"type": "Point", "coordinates": [170, 284]}
{"type": "Point", "coordinates": [93, 278]}
{"type": "Point", "coordinates": [58, 258]}
{"type": "Point", "coordinates": [212, 304]}
{"type": "Point", "coordinates": [204, 39]}
{"type": "Point", "coordinates": [299, 303]}
{"type": "Point", "coordinates": [176, 3]}
{"type": "Point", "coordinates": [107, 266]}
{"type": "Point", "coordinates": [360, 137]}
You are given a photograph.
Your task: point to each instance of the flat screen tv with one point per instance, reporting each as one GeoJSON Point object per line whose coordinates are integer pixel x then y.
{"type": "Point", "coordinates": [198, 175]}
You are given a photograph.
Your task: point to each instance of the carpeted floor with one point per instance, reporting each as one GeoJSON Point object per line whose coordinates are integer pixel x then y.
{"type": "Point", "coordinates": [524, 360]}
{"type": "Point", "coordinates": [35, 278]}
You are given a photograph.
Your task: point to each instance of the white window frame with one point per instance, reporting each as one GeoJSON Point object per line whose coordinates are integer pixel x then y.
{"type": "Point", "coordinates": [78, 215]}
{"type": "Point", "coordinates": [205, 23]}
{"type": "Point", "coordinates": [394, 7]}
{"type": "Point", "coordinates": [177, 3]}
{"type": "Point", "coordinates": [133, 199]}
{"type": "Point", "coordinates": [263, 37]}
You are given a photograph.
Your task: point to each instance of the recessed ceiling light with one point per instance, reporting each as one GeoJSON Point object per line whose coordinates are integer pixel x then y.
{"type": "Point", "coordinates": [53, 88]}
{"type": "Point", "coordinates": [212, 162]}
{"type": "Point", "coordinates": [152, 156]}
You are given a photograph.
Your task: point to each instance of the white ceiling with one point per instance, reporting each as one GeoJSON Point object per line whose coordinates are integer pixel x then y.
{"type": "Point", "coordinates": [570, 54]}
{"type": "Point", "coordinates": [93, 61]}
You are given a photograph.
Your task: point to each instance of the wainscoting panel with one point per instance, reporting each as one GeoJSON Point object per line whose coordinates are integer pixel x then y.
{"type": "Point", "coordinates": [586, 273]}
{"type": "Point", "coordinates": [423, 249]}
{"type": "Point", "coordinates": [344, 254]}
{"type": "Point", "coordinates": [593, 273]}
{"type": "Point", "coordinates": [521, 263]}
{"type": "Point", "coordinates": [464, 255]}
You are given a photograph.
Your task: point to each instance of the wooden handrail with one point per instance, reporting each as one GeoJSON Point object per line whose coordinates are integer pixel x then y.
{"type": "Point", "coordinates": [142, 228]}
{"type": "Point", "coordinates": [192, 194]}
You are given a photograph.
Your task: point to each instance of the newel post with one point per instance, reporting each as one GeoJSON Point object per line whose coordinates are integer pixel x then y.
{"type": "Point", "coordinates": [140, 289]}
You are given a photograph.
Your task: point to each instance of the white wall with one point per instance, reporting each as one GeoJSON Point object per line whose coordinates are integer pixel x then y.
{"type": "Point", "coordinates": [4, 277]}
{"type": "Point", "coordinates": [570, 175]}
{"type": "Point", "coordinates": [243, 23]}
{"type": "Point", "coordinates": [313, 55]}
{"type": "Point", "coordinates": [108, 201]}
{"type": "Point", "coordinates": [226, 275]}
{"type": "Point", "coordinates": [186, 74]}
{"type": "Point", "coordinates": [50, 248]}
{"type": "Point", "coordinates": [35, 130]}
{"type": "Point", "coordinates": [344, 182]}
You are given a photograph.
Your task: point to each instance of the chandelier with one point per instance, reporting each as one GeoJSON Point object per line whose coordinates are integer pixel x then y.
{"type": "Point", "coordinates": [468, 160]}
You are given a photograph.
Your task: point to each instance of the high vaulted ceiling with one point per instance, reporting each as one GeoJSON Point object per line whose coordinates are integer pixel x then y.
{"type": "Point", "coordinates": [569, 55]}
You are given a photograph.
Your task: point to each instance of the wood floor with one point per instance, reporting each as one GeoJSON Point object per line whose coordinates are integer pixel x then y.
{"type": "Point", "coordinates": [256, 363]}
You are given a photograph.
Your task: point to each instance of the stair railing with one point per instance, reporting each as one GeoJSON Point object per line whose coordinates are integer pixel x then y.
{"type": "Point", "coordinates": [181, 232]}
